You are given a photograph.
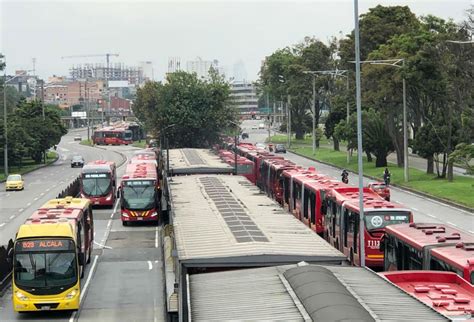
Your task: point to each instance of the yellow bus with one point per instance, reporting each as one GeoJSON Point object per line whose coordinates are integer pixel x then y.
{"type": "Point", "coordinates": [50, 253]}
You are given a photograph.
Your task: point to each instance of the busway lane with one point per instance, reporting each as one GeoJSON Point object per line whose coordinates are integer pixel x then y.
{"type": "Point", "coordinates": [128, 280]}
{"type": "Point", "coordinates": [424, 209]}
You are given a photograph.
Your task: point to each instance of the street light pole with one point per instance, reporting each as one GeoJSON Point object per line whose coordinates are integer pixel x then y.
{"type": "Point", "coordinates": [359, 137]}
{"type": "Point", "coordinates": [405, 130]}
{"type": "Point", "coordinates": [5, 135]}
{"type": "Point", "coordinates": [347, 117]}
{"type": "Point", "coordinates": [313, 110]}
{"type": "Point", "coordinates": [288, 129]}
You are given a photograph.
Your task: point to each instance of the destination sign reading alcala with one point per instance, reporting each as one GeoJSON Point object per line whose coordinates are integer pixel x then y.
{"type": "Point", "coordinates": [43, 245]}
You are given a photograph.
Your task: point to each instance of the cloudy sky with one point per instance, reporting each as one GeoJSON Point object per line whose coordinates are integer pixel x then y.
{"type": "Point", "coordinates": [229, 31]}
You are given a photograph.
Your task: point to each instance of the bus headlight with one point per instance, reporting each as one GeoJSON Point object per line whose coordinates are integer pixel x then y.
{"type": "Point", "coordinates": [154, 214]}
{"type": "Point", "coordinates": [70, 295]}
{"type": "Point", "coordinates": [21, 296]}
{"type": "Point", "coordinates": [109, 197]}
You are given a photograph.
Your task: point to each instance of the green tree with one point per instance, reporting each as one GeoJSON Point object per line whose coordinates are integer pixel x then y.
{"type": "Point", "coordinates": [199, 109]}
{"type": "Point", "coordinates": [463, 154]}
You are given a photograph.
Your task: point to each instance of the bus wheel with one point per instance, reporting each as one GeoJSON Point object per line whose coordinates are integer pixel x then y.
{"type": "Point", "coordinates": [124, 223]}
{"type": "Point", "coordinates": [351, 257]}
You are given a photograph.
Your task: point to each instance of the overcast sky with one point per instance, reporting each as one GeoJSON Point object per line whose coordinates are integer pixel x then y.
{"type": "Point", "coordinates": [229, 31]}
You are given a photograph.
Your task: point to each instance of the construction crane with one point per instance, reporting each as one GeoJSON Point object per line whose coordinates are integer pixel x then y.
{"type": "Point", "coordinates": [107, 56]}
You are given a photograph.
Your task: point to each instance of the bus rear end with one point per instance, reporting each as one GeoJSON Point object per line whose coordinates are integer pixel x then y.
{"type": "Point", "coordinates": [46, 268]}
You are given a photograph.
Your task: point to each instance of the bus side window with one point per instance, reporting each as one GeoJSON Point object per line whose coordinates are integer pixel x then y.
{"type": "Point", "coordinates": [305, 204]}
{"type": "Point", "coordinates": [313, 207]}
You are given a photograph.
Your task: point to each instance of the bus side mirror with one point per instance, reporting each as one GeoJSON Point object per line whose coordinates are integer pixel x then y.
{"type": "Point", "coordinates": [81, 259]}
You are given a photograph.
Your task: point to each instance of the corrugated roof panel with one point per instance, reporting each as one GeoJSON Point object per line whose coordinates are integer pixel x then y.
{"type": "Point", "coordinates": [243, 295]}
{"type": "Point", "coordinates": [202, 233]}
{"type": "Point", "coordinates": [384, 299]}
{"type": "Point", "coordinates": [196, 161]}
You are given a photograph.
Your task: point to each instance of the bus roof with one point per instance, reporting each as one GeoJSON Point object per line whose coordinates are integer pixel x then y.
{"type": "Point", "coordinates": [223, 220]}
{"type": "Point", "coordinates": [97, 168]}
{"type": "Point", "coordinates": [302, 293]}
{"type": "Point", "coordinates": [420, 235]}
{"type": "Point", "coordinates": [460, 255]}
{"type": "Point", "coordinates": [140, 171]}
{"type": "Point", "coordinates": [446, 292]}
{"type": "Point", "coordinates": [196, 161]}
{"type": "Point", "coordinates": [349, 197]}
{"type": "Point", "coordinates": [53, 229]}
{"type": "Point", "coordinates": [67, 202]}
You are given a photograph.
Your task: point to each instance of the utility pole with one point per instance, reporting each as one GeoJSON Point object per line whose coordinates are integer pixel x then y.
{"type": "Point", "coordinates": [359, 137]}
{"type": "Point", "coordinates": [288, 128]}
{"type": "Point", "coordinates": [405, 134]}
{"type": "Point", "coordinates": [313, 110]}
{"type": "Point", "coordinates": [347, 117]}
{"type": "Point", "coordinates": [42, 110]}
{"type": "Point", "coordinates": [5, 135]}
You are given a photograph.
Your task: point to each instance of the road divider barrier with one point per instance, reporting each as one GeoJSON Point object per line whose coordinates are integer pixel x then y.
{"type": "Point", "coordinates": [6, 265]}
{"type": "Point", "coordinates": [72, 189]}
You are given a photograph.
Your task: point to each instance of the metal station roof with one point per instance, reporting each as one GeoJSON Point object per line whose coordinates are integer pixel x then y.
{"type": "Point", "coordinates": [196, 161]}
{"type": "Point", "coordinates": [297, 293]}
{"type": "Point", "coordinates": [226, 221]}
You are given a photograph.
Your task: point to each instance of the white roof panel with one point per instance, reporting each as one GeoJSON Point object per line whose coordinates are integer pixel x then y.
{"type": "Point", "coordinates": [225, 220]}
{"type": "Point", "coordinates": [196, 161]}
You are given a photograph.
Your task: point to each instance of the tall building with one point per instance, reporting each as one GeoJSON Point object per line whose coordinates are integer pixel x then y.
{"type": "Point", "coordinates": [118, 72]}
{"type": "Point", "coordinates": [244, 96]}
{"type": "Point", "coordinates": [240, 73]}
{"type": "Point", "coordinates": [174, 64]}
{"type": "Point", "coordinates": [147, 69]}
{"type": "Point", "coordinates": [201, 67]}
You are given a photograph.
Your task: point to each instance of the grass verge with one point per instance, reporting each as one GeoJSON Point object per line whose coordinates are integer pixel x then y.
{"type": "Point", "coordinates": [460, 190]}
{"type": "Point", "coordinates": [141, 144]}
{"type": "Point", "coordinates": [28, 165]}
{"type": "Point", "coordinates": [87, 142]}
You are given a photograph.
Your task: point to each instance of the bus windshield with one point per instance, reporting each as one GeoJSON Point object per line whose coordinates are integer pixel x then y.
{"type": "Point", "coordinates": [139, 195]}
{"type": "Point", "coordinates": [379, 219]}
{"type": "Point", "coordinates": [41, 270]}
{"type": "Point", "coordinates": [96, 184]}
{"type": "Point", "coordinates": [127, 135]}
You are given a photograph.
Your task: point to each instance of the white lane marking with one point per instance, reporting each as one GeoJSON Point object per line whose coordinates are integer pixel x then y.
{"type": "Point", "coordinates": [36, 198]}
{"type": "Point", "coordinates": [432, 216]}
{"type": "Point", "coordinates": [20, 210]}
{"type": "Point", "coordinates": [472, 232]}
{"type": "Point", "coordinates": [111, 215]}
{"type": "Point", "coordinates": [414, 208]}
{"type": "Point", "coordinates": [150, 265]}
{"type": "Point", "coordinates": [48, 189]}
{"type": "Point", "coordinates": [42, 194]}
{"type": "Point", "coordinates": [2, 224]}
{"type": "Point", "coordinates": [102, 246]}
{"type": "Point", "coordinates": [28, 204]}
{"type": "Point", "coordinates": [84, 290]}
{"type": "Point", "coordinates": [156, 237]}
{"type": "Point", "coordinates": [12, 216]}
{"type": "Point", "coordinates": [452, 224]}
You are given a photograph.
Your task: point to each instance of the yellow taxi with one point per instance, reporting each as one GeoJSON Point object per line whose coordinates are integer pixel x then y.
{"type": "Point", "coordinates": [14, 182]}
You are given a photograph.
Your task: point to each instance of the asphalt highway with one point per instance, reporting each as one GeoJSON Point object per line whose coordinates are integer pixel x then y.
{"type": "Point", "coordinates": [125, 280]}
{"type": "Point", "coordinates": [424, 209]}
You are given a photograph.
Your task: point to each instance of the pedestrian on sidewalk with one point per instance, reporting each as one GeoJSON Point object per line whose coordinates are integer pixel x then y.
{"type": "Point", "coordinates": [386, 177]}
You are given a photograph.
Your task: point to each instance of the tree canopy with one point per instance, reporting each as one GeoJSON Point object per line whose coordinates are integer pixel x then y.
{"type": "Point", "coordinates": [193, 112]}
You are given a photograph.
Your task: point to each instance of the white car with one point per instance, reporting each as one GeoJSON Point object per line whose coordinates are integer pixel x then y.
{"type": "Point", "coordinates": [260, 146]}
{"type": "Point", "coordinates": [261, 126]}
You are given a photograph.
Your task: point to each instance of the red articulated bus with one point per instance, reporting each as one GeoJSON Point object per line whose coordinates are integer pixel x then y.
{"type": "Point", "coordinates": [112, 136]}
{"type": "Point", "coordinates": [341, 223]}
{"type": "Point", "coordinates": [76, 211]}
{"type": "Point", "coordinates": [99, 183]}
{"type": "Point", "coordinates": [140, 194]}
{"type": "Point", "coordinates": [445, 292]}
{"type": "Point", "coordinates": [429, 246]}
{"type": "Point", "coordinates": [274, 183]}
